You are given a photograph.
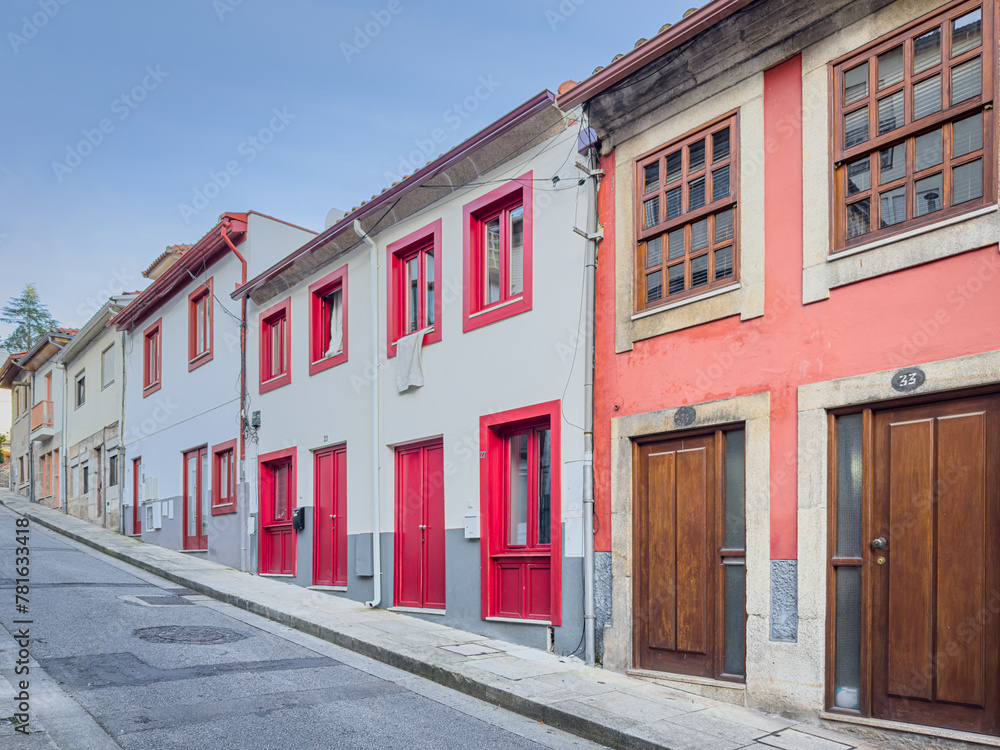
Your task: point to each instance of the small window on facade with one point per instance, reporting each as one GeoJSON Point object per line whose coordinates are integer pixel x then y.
{"type": "Point", "coordinates": [113, 470]}
{"type": "Point", "coordinates": [152, 349]}
{"type": "Point", "coordinates": [275, 347]}
{"type": "Point", "coordinates": [86, 479]}
{"type": "Point", "coordinates": [912, 126]}
{"type": "Point", "coordinates": [686, 224]}
{"type": "Point", "coordinates": [414, 277]}
{"type": "Point", "coordinates": [224, 478]}
{"type": "Point", "coordinates": [328, 321]}
{"type": "Point", "coordinates": [200, 334]}
{"type": "Point", "coordinates": [81, 389]}
{"type": "Point", "coordinates": [108, 366]}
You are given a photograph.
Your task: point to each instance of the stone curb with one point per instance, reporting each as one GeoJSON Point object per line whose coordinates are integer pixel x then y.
{"type": "Point", "coordinates": [567, 721]}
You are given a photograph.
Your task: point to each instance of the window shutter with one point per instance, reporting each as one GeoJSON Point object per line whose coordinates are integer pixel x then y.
{"type": "Point", "coordinates": [108, 367]}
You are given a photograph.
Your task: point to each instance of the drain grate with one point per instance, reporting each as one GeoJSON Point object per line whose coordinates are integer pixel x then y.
{"type": "Point", "coordinates": [195, 634]}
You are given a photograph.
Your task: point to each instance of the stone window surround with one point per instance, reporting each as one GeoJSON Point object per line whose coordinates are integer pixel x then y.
{"type": "Point", "coordinates": [822, 271]}
{"type": "Point", "coordinates": [815, 400]}
{"type": "Point", "coordinates": [745, 298]}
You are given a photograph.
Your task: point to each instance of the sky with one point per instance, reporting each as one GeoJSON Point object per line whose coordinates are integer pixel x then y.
{"type": "Point", "coordinates": [130, 126]}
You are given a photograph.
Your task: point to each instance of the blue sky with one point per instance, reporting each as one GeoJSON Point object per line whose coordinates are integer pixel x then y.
{"type": "Point", "coordinates": [116, 113]}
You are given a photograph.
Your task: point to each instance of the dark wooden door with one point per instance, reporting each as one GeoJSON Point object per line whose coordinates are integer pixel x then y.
{"type": "Point", "coordinates": [330, 523]}
{"type": "Point", "coordinates": [136, 483]}
{"type": "Point", "coordinates": [674, 533]}
{"type": "Point", "coordinates": [936, 591]}
{"type": "Point", "coordinates": [420, 539]}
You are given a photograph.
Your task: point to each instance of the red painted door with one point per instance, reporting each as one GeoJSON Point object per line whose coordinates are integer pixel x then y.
{"type": "Point", "coordinates": [420, 557]}
{"type": "Point", "coordinates": [136, 483]}
{"type": "Point", "coordinates": [277, 503]}
{"type": "Point", "coordinates": [330, 522]}
{"type": "Point", "coordinates": [195, 499]}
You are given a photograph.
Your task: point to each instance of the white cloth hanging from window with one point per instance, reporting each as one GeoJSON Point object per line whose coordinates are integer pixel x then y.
{"type": "Point", "coordinates": [409, 367]}
{"type": "Point", "coordinates": [336, 324]}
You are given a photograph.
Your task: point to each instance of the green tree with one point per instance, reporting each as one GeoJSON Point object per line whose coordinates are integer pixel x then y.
{"type": "Point", "coordinates": [30, 317]}
{"type": "Point", "coordinates": [3, 439]}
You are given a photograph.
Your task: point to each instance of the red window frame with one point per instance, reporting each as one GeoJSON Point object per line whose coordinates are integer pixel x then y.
{"type": "Point", "coordinates": [279, 315]}
{"type": "Point", "coordinates": [152, 357]}
{"type": "Point", "coordinates": [494, 433]}
{"type": "Point", "coordinates": [201, 299]}
{"type": "Point", "coordinates": [421, 243]}
{"type": "Point", "coordinates": [319, 316]}
{"type": "Point", "coordinates": [476, 312]}
{"type": "Point", "coordinates": [222, 454]}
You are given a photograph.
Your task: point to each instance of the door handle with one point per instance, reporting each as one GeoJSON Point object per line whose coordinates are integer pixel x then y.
{"type": "Point", "coordinates": [422, 526]}
{"type": "Point", "coordinates": [333, 515]}
{"type": "Point", "coordinates": [879, 543]}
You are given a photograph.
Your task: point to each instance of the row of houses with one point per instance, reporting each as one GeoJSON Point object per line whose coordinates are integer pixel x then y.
{"type": "Point", "coordinates": [691, 369]}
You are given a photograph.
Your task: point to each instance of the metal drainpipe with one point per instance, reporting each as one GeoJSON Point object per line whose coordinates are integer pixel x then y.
{"type": "Point", "coordinates": [122, 453]}
{"type": "Point", "coordinates": [63, 485]}
{"type": "Point", "coordinates": [376, 469]}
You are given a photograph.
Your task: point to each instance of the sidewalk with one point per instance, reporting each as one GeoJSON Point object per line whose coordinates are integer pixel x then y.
{"type": "Point", "coordinates": [602, 706]}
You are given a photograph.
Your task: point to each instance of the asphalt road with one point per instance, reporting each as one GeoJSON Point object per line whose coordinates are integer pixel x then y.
{"type": "Point", "coordinates": [123, 658]}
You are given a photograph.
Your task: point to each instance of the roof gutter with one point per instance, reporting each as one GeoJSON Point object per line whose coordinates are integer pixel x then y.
{"type": "Point", "coordinates": [525, 112]}
{"type": "Point", "coordinates": [686, 29]}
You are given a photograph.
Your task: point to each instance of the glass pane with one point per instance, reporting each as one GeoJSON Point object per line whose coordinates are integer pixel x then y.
{"type": "Point", "coordinates": [412, 294]}
{"type": "Point", "coordinates": [720, 146]}
{"type": "Point", "coordinates": [856, 127]}
{"type": "Point", "coordinates": [652, 177]}
{"type": "Point", "coordinates": [966, 32]}
{"type": "Point", "coordinates": [859, 176]}
{"type": "Point", "coordinates": [734, 534]}
{"type": "Point", "coordinates": [847, 661]}
{"type": "Point", "coordinates": [699, 235]}
{"type": "Point", "coordinates": [517, 250]}
{"type": "Point", "coordinates": [927, 50]}
{"type": "Point", "coordinates": [892, 163]}
{"type": "Point", "coordinates": [892, 206]}
{"type": "Point", "coordinates": [699, 271]}
{"type": "Point", "coordinates": [735, 618]}
{"type": "Point", "coordinates": [968, 181]}
{"type": "Point", "coordinates": [856, 83]}
{"type": "Point", "coordinates": [281, 493]}
{"type": "Point", "coordinates": [192, 494]}
{"type": "Point", "coordinates": [724, 263]}
{"type": "Point", "coordinates": [277, 362]}
{"type": "Point", "coordinates": [930, 195]}
{"type": "Point", "coordinates": [676, 243]}
{"type": "Point", "coordinates": [673, 203]}
{"type": "Point", "coordinates": [859, 218]}
{"type": "Point", "coordinates": [966, 80]}
{"type": "Point", "coordinates": [206, 492]}
{"type": "Point", "coordinates": [223, 476]}
{"type": "Point", "coordinates": [724, 226]}
{"type": "Point", "coordinates": [654, 286]}
{"type": "Point", "coordinates": [696, 156]}
{"type": "Point", "coordinates": [517, 530]}
{"type": "Point", "coordinates": [849, 485]}
{"type": "Point", "coordinates": [651, 209]}
{"type": "Point", "coordinates": [492, 280]}
{"type": "Point", "coordinates": [696, 194]}
{"type": "Point", "coordinates": [544, 486]}
{"type": "Point", "coordinates": [890, 113]}
{"type": "Point", "coordinates": [928, 150]}
{"type": "Point", "coordinates": [654, 252]}
{"type": "Point", "coordinates": [720, 183]}
{"type": "Point", "coordinates": [676, 279]}
{"type": "Point", "coordinates": [429, 281]}
{"type": "Point", "coordinates": [890, 67]}
{"type": "Point", "coordinates": [927, 97]}
{"type": "Point", "coordinates": [673, 167]}
{"type": "Point", "coordinates": [968, 135]}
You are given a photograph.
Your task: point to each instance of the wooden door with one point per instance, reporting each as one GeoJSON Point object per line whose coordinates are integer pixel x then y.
{"type": "Point", "coordinates": [136, 484]}
{"type": "Point", "coordinates": [330, 522]}
{"type": "Point", "coordinates": [674, 549]}
{"type": "Point", "coordinates": [277, 542]}
{"type": "Point", "coordinates": [420, 537]}
{"type": "Point", "coordinates": [936, 594]}
{"type": "Point", "coordinates": [195, 499]}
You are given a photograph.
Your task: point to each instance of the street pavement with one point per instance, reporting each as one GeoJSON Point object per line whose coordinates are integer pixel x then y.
{"type": "Point", "coordinates": [238, 692]}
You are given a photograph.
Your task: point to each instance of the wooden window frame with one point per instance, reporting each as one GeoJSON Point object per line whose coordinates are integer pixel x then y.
{"type": "Point", "coordinates": [398, 253]}
{"type": "Point", "coordinates": [202, 295]}
{"type": "Point", "coordinates": [80, 381]}
{"type": "Point", "coordinates": [223, 504]}
{"type": "Point", "coordinates": [152, 358]}
{"type": "Point", "coordinates": [841, 156]}
{"type": "Point", "coordinates": [493, 440]}
{"type": "Point", "coordinates": [687, 217]}
{"type": "Point", "coordinates": [511, 195]}
{"type": "Point", "coordinates": [319, 325]}
{"type": "Point", "coordinates": [279, 314]}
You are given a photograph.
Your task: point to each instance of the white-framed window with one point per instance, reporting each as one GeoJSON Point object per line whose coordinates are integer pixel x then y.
{"type": "Point", "coordinates": [108, 366]}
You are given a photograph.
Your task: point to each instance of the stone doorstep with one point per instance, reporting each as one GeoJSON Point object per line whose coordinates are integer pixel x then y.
{"type": "Point", "coordinates": [500, 678]}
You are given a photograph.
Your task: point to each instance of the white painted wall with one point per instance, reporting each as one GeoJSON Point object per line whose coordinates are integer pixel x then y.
{"type": "Point", "coordinates": [102, 406]}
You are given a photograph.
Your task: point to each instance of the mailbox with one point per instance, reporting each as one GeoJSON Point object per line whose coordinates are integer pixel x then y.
{"type": "Point", "coordinates": [299, 519]}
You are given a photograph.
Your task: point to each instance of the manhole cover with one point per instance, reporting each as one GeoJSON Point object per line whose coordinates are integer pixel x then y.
{"type": "Point", "coordinates": [165, 601]}
{"type": "Point", "coordinates": [202, 634]}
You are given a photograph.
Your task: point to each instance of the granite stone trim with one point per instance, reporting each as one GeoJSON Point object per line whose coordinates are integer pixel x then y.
{"type": "Point", "coordinates": [784, 601]}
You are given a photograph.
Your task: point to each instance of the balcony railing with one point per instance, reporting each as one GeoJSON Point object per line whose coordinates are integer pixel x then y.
{"type": "Point", "coordinates": [41, 415]}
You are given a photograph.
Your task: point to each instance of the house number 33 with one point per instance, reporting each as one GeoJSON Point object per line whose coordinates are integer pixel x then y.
{"type": "Point", "coordinates": [908, 380]}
